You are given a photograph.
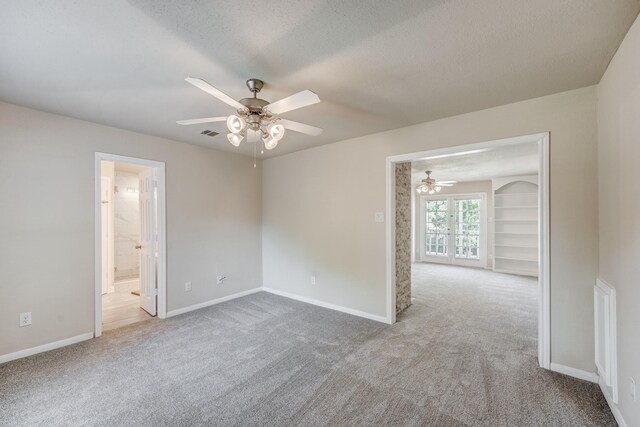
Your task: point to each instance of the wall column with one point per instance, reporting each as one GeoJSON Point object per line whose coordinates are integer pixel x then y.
{"type": "Point", "coordinates": [403, 236]}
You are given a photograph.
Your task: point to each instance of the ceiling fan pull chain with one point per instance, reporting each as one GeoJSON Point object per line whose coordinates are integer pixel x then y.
{"type": "Point", "coordinates": [255, 147]}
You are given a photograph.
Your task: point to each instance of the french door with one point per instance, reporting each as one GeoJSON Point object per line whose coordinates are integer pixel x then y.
{"type": "Point", "coordinates": [453, 230]}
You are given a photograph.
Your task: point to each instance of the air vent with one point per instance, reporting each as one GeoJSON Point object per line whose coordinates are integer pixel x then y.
{"type": "Point", "coordinates": [209, 133]}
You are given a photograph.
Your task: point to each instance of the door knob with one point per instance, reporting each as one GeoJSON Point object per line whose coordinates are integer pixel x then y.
{"type": "Point", "coordinates": [138, 246]}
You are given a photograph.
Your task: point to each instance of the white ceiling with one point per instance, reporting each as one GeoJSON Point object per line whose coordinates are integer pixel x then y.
{"type": "Point", "coordinates": [375, 65]}
{"type": "Point", "coordinates": [510, 160]}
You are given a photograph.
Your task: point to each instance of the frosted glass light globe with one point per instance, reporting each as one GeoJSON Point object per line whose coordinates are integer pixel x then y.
{"type": "Point", "coordinates": [276, 131]}
{"type": "Point", "coordinates": [234, 138]}
{"type": "Point", "coordinates": [270, 143]}
{"type": "Point", "coordinates": [236, 124]}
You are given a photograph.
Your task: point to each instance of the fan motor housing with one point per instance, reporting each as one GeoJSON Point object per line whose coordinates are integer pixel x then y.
{"type": "Point", "coordinates": [254, 105]}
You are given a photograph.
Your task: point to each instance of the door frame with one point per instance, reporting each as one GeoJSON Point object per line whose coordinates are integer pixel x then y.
{"type": "Point", "coordinates": [109, 281]}
{"type": "Point", "coordinates": [544, 300]}
{"type": "Point", "coordinates": [161, 226]}
{"type": "Point", "coordinates": [481, 262]}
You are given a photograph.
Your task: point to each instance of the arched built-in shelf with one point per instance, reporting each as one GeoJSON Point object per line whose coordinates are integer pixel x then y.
{"type": "Point", "coordinates": [515, 217]}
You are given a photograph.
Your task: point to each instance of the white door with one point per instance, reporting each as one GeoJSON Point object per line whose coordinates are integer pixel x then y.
{"type": "Point", "coordinates": [452, 230]}
{"type": "Point", "coordinates": [435, 229]}
{"type": "Point", "coordinates": [147, 241]}
{"type": "Point", "coordinates": [106, 235]}
{"type": "Point", "coordinates": [468, 236]}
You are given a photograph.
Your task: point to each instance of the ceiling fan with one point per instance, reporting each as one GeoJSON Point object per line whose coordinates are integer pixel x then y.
{"type": "Point", "coordinates": [431, 186]}
{"type": "Point", "coordinates": [256, 118]}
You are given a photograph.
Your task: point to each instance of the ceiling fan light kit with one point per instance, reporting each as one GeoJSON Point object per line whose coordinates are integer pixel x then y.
{"type": "Point", "coordinates": [256, 115]}
{"type": "Point", "coordinates": [429, 190]}
{"type": "Point", "coordinates": [236, 124]}
{"type": "Point", "coordinates": [235, 138]}
{"type": "Point", "coordinates": [431, 186]}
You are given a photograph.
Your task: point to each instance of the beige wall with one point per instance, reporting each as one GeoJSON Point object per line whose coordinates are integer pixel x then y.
{"type": "Point", "coordinates": [319, 207]}
{"type": "Point", "coordinates": [47, 221]}
{"type": "Point", "coordinates": [619, 225]}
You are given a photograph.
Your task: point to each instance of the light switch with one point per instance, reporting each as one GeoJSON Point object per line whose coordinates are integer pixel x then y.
{"type": "Point", "coordinates": [378, 217]}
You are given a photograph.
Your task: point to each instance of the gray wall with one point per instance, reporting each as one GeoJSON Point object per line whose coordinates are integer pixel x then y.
{"type": "Point", "coordinates": [319, 205]}
{"type": "Point", "coordinates": [619, 222]}
{"type": "Point", "coordinates": [47, 221]}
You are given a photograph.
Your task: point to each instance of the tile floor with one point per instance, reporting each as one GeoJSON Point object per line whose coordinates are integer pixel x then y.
{"type": "Point", "coordinates": [121, 307]}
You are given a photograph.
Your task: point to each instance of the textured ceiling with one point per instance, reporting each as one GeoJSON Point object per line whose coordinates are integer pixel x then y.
{"type": "Point", "coordinates": [376, 65]}
{"type": "Point", "coordinates": [510, 160]}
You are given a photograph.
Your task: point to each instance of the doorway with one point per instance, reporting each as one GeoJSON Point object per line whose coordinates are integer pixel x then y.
{"type": "Point", "coordinates": [453, 229]}
{"type": "Point", "coordinates": [130, 283]}
{"type": "Point", "coordinates": [449, 223]}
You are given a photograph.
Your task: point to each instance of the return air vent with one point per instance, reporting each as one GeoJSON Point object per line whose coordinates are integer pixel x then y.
{"type": "Point", "coordinates": [209, 133]}
{"type": "Point", "coordinates": [605, 337]}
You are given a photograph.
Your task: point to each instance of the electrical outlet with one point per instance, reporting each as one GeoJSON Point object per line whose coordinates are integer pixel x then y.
{"type": "Point", "coordinates": [632, 388]}
{"type": "Point", "coordinates": [25, 319]}
{"type": "Point", "coordinates": [314, 279]}
{"type": "Point", "coordinates": [220, 280]}
{"type": "Point", "coordinates": [187, 287]}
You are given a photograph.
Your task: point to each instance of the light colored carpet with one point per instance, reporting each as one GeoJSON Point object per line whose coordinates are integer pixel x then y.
{"type": "Point", "coordinates": [463, 354]}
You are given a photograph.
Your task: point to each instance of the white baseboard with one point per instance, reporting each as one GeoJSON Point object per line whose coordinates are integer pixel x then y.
{"type": "Point", "coordinates": [592, 377]}
{"type": "Point", "coordinates": [328, 305]}
{"type": "Point", "coordinates": [614, 408]}
{"type": "Point", "coordinates": [45, 347]}
{"type": "Point", "coordinates": [211, 302]}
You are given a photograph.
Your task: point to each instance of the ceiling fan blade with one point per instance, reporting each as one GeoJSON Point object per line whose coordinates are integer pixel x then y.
{"type": "Point", "coordinates": [204, 120]}
{"type": "Point", "coordinates": [446, 182]}
{"type": "Point", "coordinates": [443, 185]}
{"type": "Point", "coordinates": [300, 127]}
{"type": "Point", "coordinates": [293, 102]}
{"type": "Point", "coordinates": [201, 84]}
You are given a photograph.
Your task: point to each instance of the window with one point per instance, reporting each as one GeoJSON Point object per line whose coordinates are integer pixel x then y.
{"type": "Point", "coordinates": [437, 227]}
{"type": "Point", "coordinates": [452, 229]}
{"type": "Point", "coordinates": [467, 228]}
